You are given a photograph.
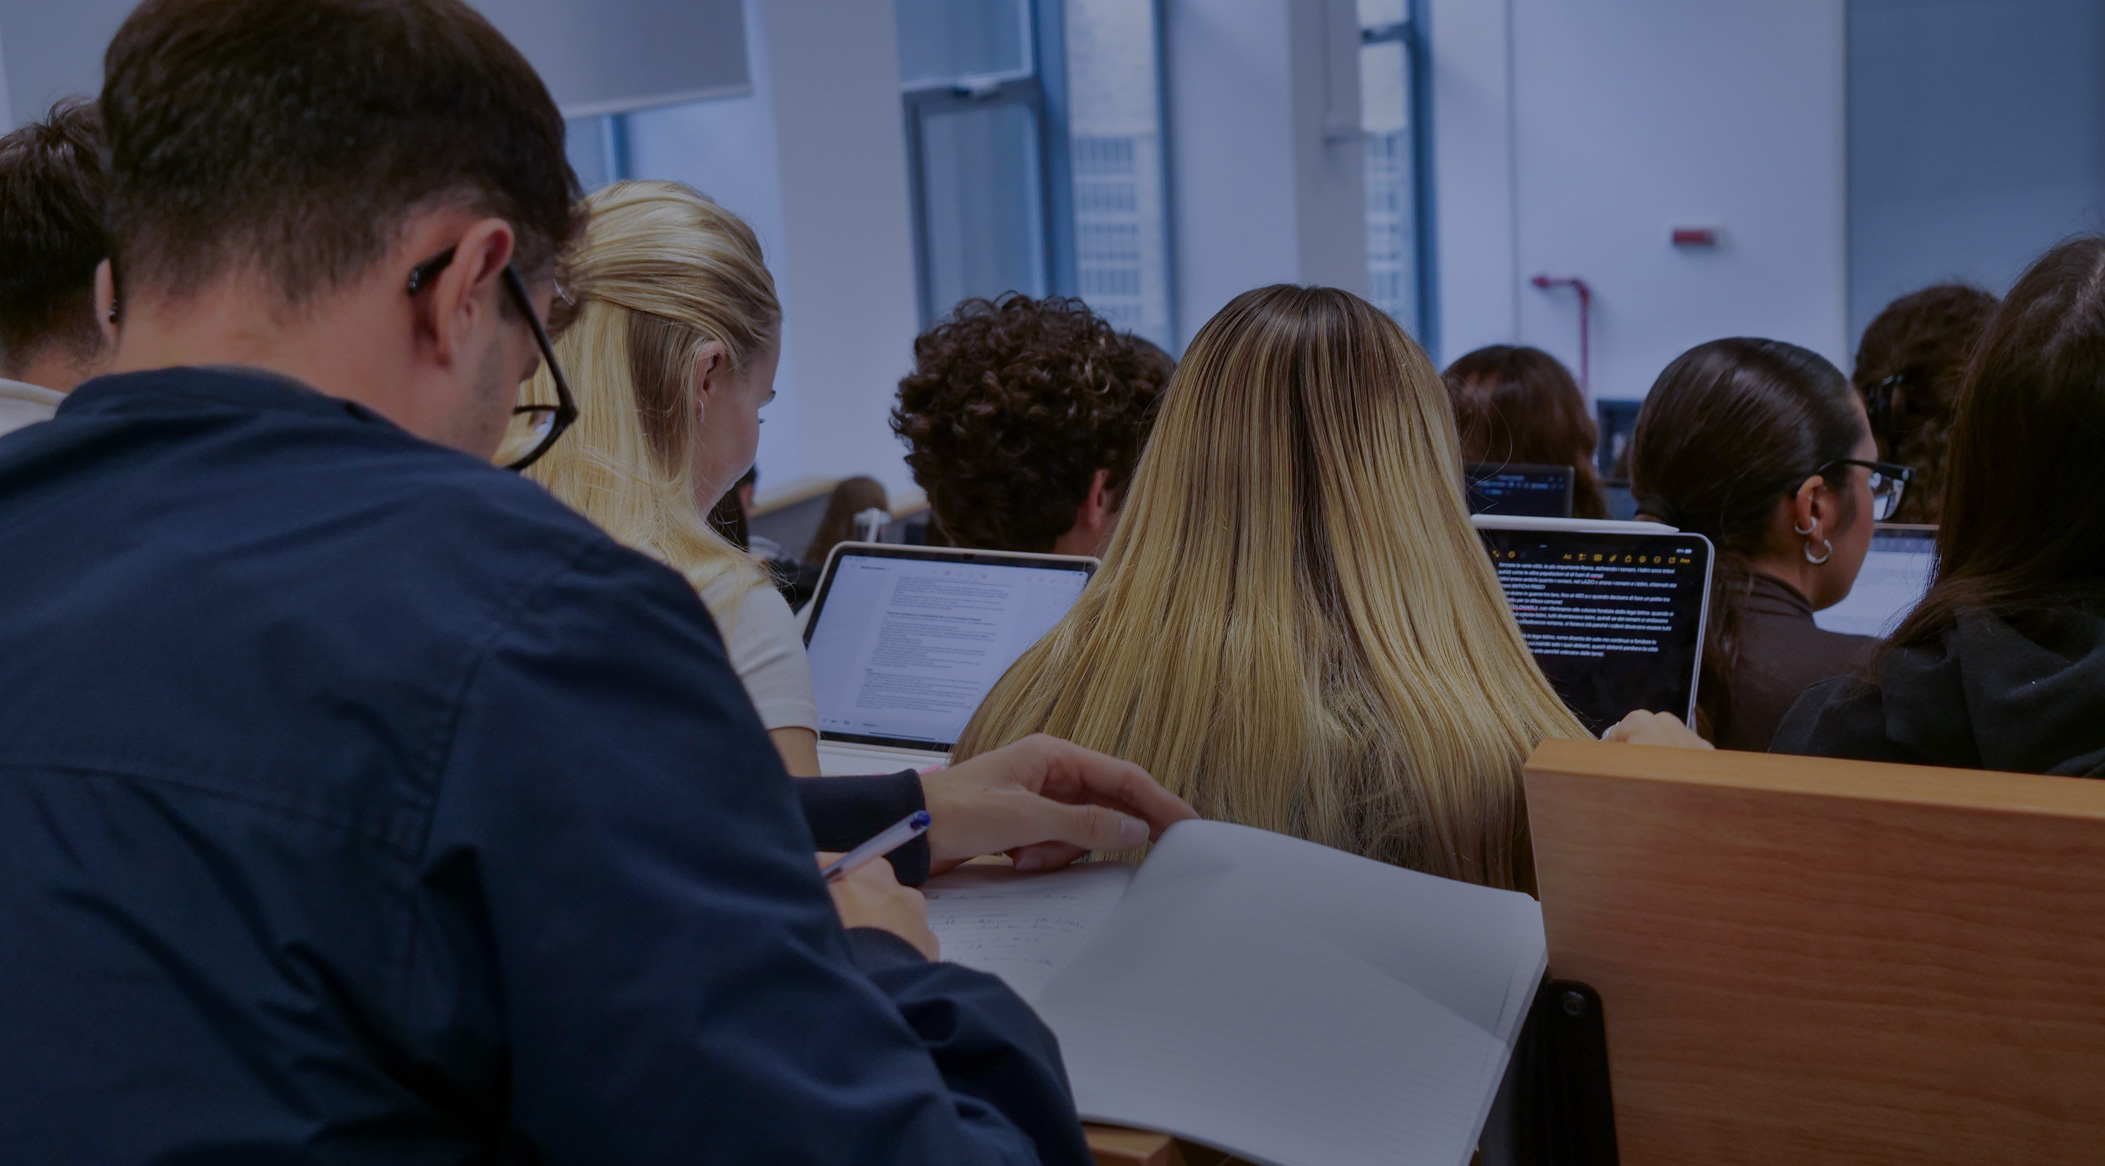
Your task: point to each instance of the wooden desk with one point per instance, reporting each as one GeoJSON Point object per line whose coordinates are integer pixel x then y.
{"type": "Point", "coordinates": [1118, 1146]}
{"type": "Point", "coordinates": [1813, 961]}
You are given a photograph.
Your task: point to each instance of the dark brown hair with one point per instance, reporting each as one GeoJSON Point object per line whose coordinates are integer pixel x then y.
{"type": "Point", "coordinates": [1908, 370]}
{"type": "Point", "coordinates": [1515, 405]}
{"type": "Point", "coordinates": [52, 188]}
{"type": "Point", "coordinates": [297, 137]}
{"type": "Point", "coordinates": [850, 498]}
{"type": "Point", "coordinates": [1731, 428]}
{"type": "Point", "coordinates": [2023, 535]}
{"type": "Point", "coordinates": [1011, 409]}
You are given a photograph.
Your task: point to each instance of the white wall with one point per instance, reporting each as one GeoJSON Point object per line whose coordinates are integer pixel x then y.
{"type": "Point", "coordinates": [1625, 119]}
{"type": "Point", "coordinates": [847, 261]}
{"type": "Point", "coordinates": [726, 149]}
{"type": "Point", "coordinates": [815, 161]}
{"type": "Point", "coordinates": [1261, 190]}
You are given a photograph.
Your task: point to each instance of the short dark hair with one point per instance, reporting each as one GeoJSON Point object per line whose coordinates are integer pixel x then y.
{"type": "Point", "coordinates": [1908, 368]}
{"type": "Point", "coordinates": [296, 137]}
{"type": "Point", "coordinates": [1517, 405]}
{"type": "Point", "coordinates": [1729, 429]}
{"type": "Point", "coordinates": [52, 187]}
{"type": "Point", "coordinates": [1012, 407]}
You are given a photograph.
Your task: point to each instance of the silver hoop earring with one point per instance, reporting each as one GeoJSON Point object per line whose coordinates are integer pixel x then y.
{"type": "Point", "coordinates": [1808, 528]}
{"type": "Point", "coordinates": [1825, 555]}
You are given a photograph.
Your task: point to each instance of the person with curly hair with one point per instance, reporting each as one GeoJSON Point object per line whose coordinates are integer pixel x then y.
{"type": "Point", "coordinates": [1908, 369]}
{"type": "Point", "coordinates": [1025, 418]}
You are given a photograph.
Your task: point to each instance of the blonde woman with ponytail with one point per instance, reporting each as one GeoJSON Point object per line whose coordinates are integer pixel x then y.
{"type": "Point", "coordinates": [1295, 626]}
{"type": "Point", "coordinates": [671, 334]}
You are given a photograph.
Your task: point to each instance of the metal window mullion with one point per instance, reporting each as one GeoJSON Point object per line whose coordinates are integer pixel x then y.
{"type": "Point", "coordinates": [1418, 51]}
{"type": "Point", "coordinates": [1056, 158]}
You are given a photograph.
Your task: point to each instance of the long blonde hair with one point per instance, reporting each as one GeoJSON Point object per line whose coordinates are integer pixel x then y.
{"type": "Point", "coordinates": [662, 271]}
{"type": "Point", "coordinates": [1295, 626]}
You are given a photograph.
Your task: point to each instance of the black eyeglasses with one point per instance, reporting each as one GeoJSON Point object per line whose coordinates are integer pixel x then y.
{"type": "Point", "coordinates": [534, 428]}
{"type": "Point", "coordinates": [1888, 483]}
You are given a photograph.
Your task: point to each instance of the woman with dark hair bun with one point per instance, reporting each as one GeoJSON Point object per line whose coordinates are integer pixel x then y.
{"type": "Point", "coordinates": [1518, 406]}
{"type": "Point", "coordinates": [1908, 369]}
{"type": "Point", "coordinates": [2002, 664]}
{"type": "Point", "coordinates": [1762, 447]}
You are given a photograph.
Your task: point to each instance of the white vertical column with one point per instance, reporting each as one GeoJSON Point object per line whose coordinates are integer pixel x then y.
{"type": "Point", "coordinates": [1473, 173]}
{"type": "Point", "coordinates": [846, 262]}
{"type": "Point", "coordinates": [1267, 169]}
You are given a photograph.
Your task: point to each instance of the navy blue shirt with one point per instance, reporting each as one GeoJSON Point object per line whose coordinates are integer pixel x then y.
{"type": "Point", "coordinates": [361, 803]}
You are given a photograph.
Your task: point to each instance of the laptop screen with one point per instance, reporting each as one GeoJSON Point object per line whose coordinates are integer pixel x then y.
{"type": "Point", "coordinates": [1614, 617]}
{"type": "Point", "coordinates": [906, 641]}
{"type": "Point", "coordinates": [1521, 491]}
{"type": "Point", "coordinates": [1896, 574]}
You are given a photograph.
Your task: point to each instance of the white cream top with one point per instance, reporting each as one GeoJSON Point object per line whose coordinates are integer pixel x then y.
{"type": "Point", "coordinates": [767, 652]}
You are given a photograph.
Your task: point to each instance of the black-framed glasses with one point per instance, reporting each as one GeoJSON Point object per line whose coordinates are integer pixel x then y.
{"type": "Point", "coordinates": [1888, 482]}
{"type": "Point", "coordinates": [534, 428]}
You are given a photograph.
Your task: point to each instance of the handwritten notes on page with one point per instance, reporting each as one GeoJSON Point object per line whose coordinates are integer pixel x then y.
{"type": "Point", "coordinates": [1023, 928]}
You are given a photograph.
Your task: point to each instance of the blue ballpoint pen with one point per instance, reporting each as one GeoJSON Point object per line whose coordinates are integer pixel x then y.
{"type": "Point", "coordinates": [893, 837]}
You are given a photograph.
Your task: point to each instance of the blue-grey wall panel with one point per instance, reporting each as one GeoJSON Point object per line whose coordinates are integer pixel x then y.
{"type": "Point", "coordinates": [597, 56]}
{"type": "Point", "coordinates": [1976, 140]}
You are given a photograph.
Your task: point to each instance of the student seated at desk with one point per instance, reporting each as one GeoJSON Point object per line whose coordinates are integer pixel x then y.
{"type": "Point", "coordinates": [1296, 626]}
{"type": "Point", "coordinates": [1908, 369]}
{"type": "Point", "coordinates": [364, 804]}
{"type": "Point", "coordinates": [1518, 406]}
{"type": "Point", "coordinates": [2002, 665]}
{"type": "Point", "coordinates": [1761, 447]}
{"type": "Point", "coordinates": [1024, 418]}
{"type": "Point", "coordinates": [671, 329]}
{"type": "Point", "coordinates": [51, 241]}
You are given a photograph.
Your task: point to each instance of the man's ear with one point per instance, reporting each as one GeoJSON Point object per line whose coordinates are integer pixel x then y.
{"type": "Point", "coordinates": [106, 302]}
{"type": "Point", "coordinates": [467, 294]}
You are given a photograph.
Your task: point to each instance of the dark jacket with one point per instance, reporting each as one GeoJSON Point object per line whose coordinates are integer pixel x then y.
{"type": "Point", "coordinates": [361, 803]}
{"type": "Point", "coordinates": [1985, 696]}
{"type": "Point", "coordinates": [1782, 653]}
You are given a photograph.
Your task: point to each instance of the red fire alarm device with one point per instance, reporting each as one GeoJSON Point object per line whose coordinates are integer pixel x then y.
{"type": "Point", "coordinates": [1695, 236]}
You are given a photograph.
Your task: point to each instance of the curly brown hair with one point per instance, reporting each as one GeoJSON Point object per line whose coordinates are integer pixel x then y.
{"type": "Point", "coordinates": [1908, 368]}
{"type": "Point", "coordinates": [1012, 407]}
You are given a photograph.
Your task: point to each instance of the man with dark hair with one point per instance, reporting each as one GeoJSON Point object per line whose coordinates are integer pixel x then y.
{"type": "Point", "coordinates": [1025, 419]}
{"type": "Point", "coordinates": [358, 801]}
{"type": "Point", "coordinates": [51, 240]}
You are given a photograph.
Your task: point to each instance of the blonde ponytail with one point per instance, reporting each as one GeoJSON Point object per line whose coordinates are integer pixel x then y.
{"type": "Point", "coordinates": [662, 272]}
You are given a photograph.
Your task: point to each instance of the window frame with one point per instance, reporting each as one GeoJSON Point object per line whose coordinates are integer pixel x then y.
{"type": "Point", "coordinates": [1413, 32]}
{"type": "Point", "coordinates": [1043, 91]}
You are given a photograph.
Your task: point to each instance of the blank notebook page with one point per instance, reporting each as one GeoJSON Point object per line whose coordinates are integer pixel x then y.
{"type": "Point", "coordinates": [1023, 928]}
{"type": "Point", "coordinates": [1296, 1004]}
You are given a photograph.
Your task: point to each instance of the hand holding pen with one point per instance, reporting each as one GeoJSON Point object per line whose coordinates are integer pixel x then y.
{"type": "Point", "coordinates": [867, 894]}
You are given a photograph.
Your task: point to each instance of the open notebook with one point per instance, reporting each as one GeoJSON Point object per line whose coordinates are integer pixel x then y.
{"type": "Point", "coordinates": [1282, 1001]}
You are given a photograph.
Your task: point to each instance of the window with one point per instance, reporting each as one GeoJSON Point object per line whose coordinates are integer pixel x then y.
{"type": "Point", "coordinates": [1034, 170]}
{"type": "Point", "coordinates": [1393, 105]}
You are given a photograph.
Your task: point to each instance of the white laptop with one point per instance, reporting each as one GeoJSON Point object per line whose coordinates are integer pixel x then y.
{"type": "Point", "coordinates": [1896, 574]}
{"type": "Point", "coordinates": [1614, 612]}
{"type": "Point", "coordinates": [906, 641]}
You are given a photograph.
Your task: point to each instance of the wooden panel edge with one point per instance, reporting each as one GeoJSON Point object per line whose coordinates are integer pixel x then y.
{"type": "Point", "coordinates": [1986, 790]}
